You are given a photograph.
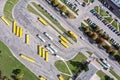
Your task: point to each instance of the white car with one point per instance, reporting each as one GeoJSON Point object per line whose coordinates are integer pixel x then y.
{"type": "Point", "coordinates": [82, 38]}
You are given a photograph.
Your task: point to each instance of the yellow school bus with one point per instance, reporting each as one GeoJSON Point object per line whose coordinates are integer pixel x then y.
{"type": "Point", "coordinates": [64, 44]}
{"type": "Point", "coordinates": [27, 58]}
{"type": "Point", "coordinates": [20, 32]}
{"type": "Point", "coordinates": [64, 39]}
{"type": "Point", "coordinates": [27, 39]}
{"type": "Point", "coordinates": [60, 77]}
{"type": "Point", "coordinates": [42, 78]}
{"type": "Point", "coordinates": [73, 34]}
{"type": "Point", "coordinates": [5, 20]}
{"type": "Point", "coordinates": [43, 52]}
{"type": "Point", "coordinates": [46, 56]}
{"type": "Point", "coordinates": [14, 27]}
{"type": "Point", "coordinates": [17, 32]}
{"type": "Point", "coordinates": [42, 21]}
{"type": "Point", "coordinates": [40, 50]}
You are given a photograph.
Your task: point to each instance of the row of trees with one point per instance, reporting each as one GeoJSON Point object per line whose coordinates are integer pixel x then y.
{"type": "Point", "coordinates": [99, 37]}
{"type": "Point", "coordinates": [17, 75]}
{"type": "Point", "coordinates": [104, 36]}
{"type": "Point", "coordinates": [62, 8]}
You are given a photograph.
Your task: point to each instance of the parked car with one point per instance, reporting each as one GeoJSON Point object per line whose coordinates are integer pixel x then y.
{"type": "Point", "coordinates": [100, 18]}
{"type": "Point", "coordinates": [93, 11]}
{"type": "Point", "coordinates": [114, 30]}
{"type": "Point", "coordinates": [93, 25]}
{"type": "Point", "coordinates": [83, 4]}
{"type": "Point", "coordinates": [89, 20]}
{"type": "Point", "coordinates": [104, 22]}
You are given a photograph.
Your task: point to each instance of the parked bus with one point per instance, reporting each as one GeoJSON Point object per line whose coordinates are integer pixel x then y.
{"type": "Point", "coordinates": [27, 39]}
{"type": "Point", "coordinates": [64, 39]}
{"type": "Point", "coordinates": [48, 36]}
{"type": "Point", "coordinates": [17, 33]}
{"type": "Point", "coordinates": [5, 20]}
{"type": "Point", "coordinates": [49, 49]}
{"type": "Point", "coordinates": [73, 34]}
{"type": "Point", "coordinates": [43, 52]}
{"type": "Point", "coordinates": [42, 78]}
{"type": "Point", "coordinates": [60, 77]}
{"type": "Point", "coordinates": [27, 58]}
{"type": "Point", "coordinates": [46, 56]}
{"type": "Point", "coordinates": [42, 21]}
{"type": "Point", "coordinates": [53, 48]}
{"type": "Point", "coordinates": [43, 40]}
{"type": "Point", "coordinates": [64, 44]}
{"type": "Point", "coordinates": [21, 32]}
{"type": "Point", "coordinates": [40, 50]}
{"type": "Point", "coordinates": [14, 27]}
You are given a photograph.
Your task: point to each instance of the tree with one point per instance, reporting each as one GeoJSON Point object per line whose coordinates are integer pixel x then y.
{"type": "Point", "coordinates": [70, 15]}
{"type": "Point", "coordinates": [90, 33]}
{"type": "Point", "coordinates": [84, 66]}
{"type": "Point", "coordinates": [94, 36]}
{"type": "Point", "coordinates": [108, 77]}
{"type": "Point", "coordinates": [100, 41]}
{"type": "Point", "coordinates": [87, 29]}
{"type": "Point", "coordinates": [59, 5]}
{"type": "Point", "coordinates": [118, 48]}
{"type": "Point", "coordinates": [104, 36]}
{"type": "Point", "coordinates": [112, 52]}
{"type": "Point", "coordinates": [63, 9]}
{"type": "Point", "coordinates": [108, 48]}
{"type": "Point", "coordinates": [18, 74]}
{"type": "Point", "coordinates": [55, 2]}
{"type": "Point", "coordinates": [117, 57]}
{"type": "Point", "coordinates": [96, 29]}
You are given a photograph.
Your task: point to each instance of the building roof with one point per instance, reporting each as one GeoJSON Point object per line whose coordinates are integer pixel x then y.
{"type": "Point", "coordinates": [116, 2]}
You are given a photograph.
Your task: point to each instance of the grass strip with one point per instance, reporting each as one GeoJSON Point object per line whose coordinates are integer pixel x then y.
{"type": "Point", "coordinates": [114, 74]}
{"type": "Point", "coordinates": [8, 9]}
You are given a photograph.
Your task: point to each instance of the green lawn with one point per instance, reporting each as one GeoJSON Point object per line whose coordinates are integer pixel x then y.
{"type": "Point", "coordinates": [66, 77]}
{"type": "Point", "coordinates": [114, 74]}
{"type": "Point", "coordinates": [31, 9]}
{"type": "Point", "coordinates": [87, 1]}
{"type": "Point", "coordinates": [116, 25]}
{"type": "Point", "coordinates": [103, 13]}
{"type": "Point", "coordinates": [90, 53]}
{"type": "Point", "coordinates": [109, 19]}
{"type": "Point", "coordinates": [96, 8]}
{"type": "Point", "coordinates": [8, 9]}
{"type": "Point", "coordinates": [8, 63]}
{"type": "Point", "coordinates": [74, 63]}
{"type": "Point", "coordinates": [101, 74]}
{"type": "Point", "coordinates": [60, 65]}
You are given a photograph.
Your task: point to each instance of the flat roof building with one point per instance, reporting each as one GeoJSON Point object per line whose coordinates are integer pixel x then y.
{"type": "Point", "coordinates": [116, 2]}
{"type": "Point", "coordinates": [113, 5]}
